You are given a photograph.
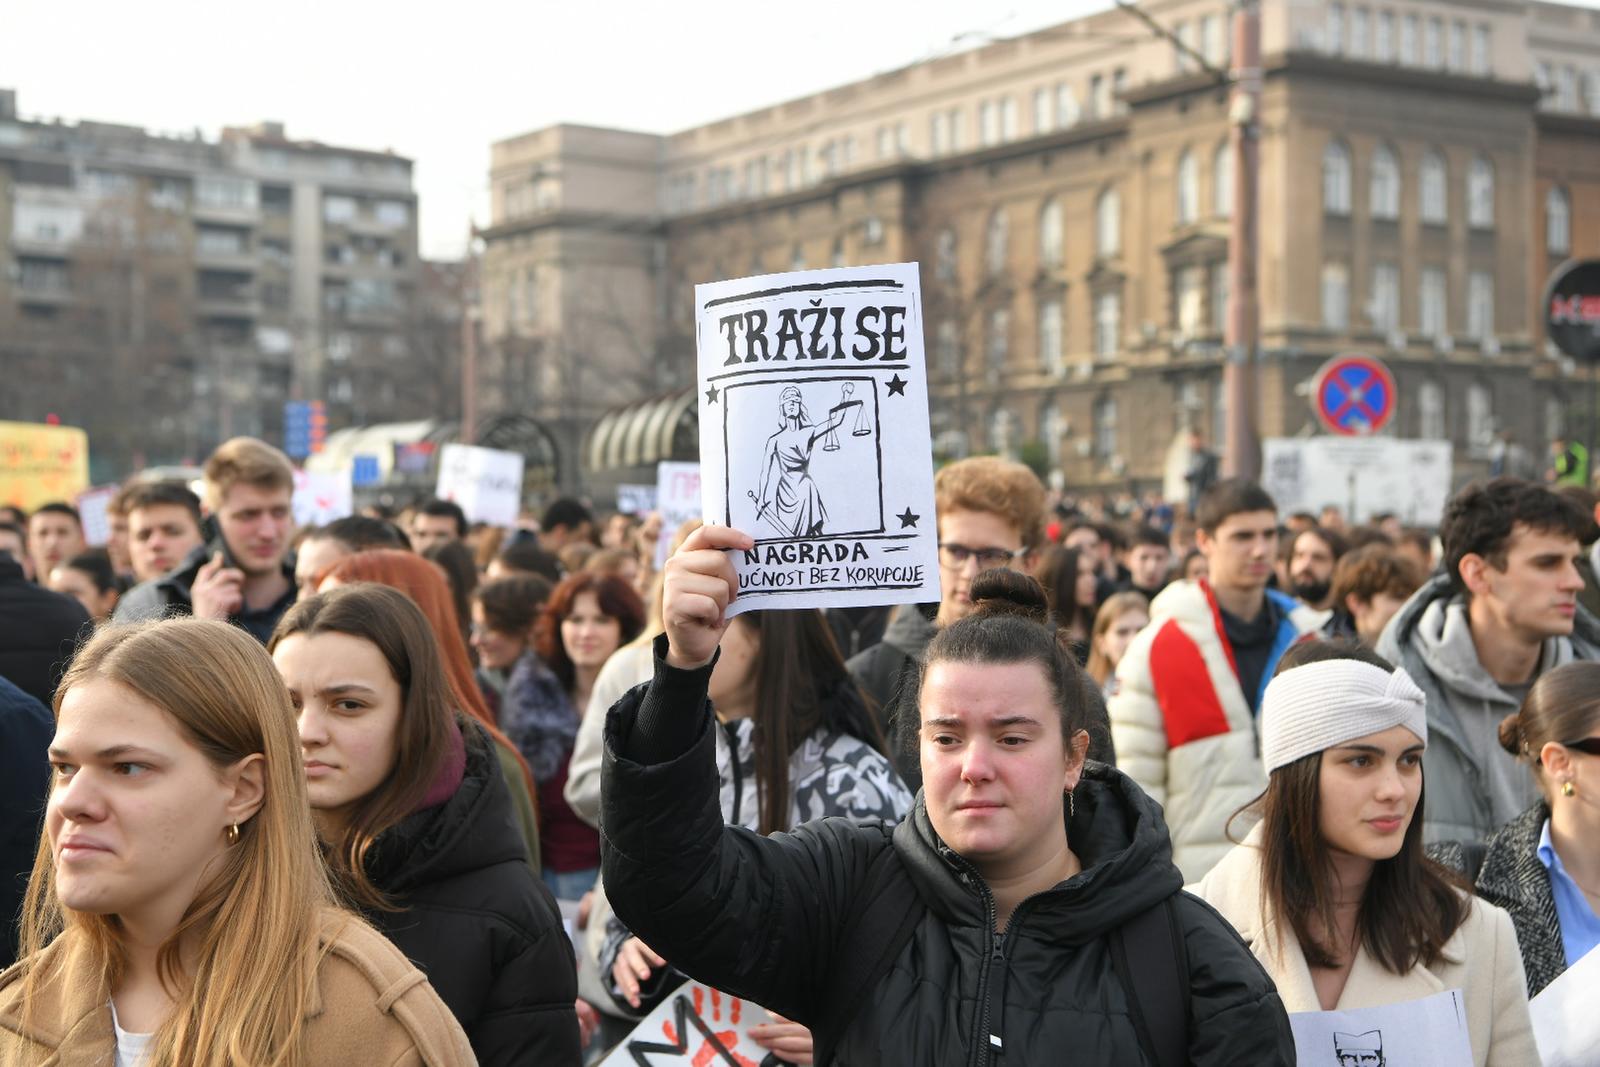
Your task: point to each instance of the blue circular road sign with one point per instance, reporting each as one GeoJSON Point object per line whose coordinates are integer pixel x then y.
{"type": "Point", "coordinates": [1354, 395]}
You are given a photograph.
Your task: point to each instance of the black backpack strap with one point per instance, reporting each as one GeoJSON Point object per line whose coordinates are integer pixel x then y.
{"type": "Point", "coordinates": [1150, 959]}
{"type": "Point", "coordinates": [873, 938]}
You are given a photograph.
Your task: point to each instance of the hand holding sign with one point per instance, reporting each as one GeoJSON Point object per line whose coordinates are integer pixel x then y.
{"type": "Point", "coordinates": [696, 591]}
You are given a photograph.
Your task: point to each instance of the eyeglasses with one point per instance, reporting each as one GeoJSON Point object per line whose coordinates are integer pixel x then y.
{"type": "Point", "coordinates": [1589, 746]}
{"type": "Point", "coordinates": [956, 556]}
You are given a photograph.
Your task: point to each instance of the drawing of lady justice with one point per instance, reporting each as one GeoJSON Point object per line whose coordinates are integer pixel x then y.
{"type": "Point", "coordinates": [794, 506]}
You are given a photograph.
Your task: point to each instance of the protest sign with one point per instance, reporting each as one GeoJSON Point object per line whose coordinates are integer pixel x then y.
{"type": "Point", "coordinates": [40, 463]}
{"type": "Point", "coordinates": [486, 482]}
{"type": "Point", "coordinates": [1361, 476]}
{"type": "Point", "coordinates": [1565, 1023]}
{"type": "Point", "coordinates": [636, 499]}
{"type": "Point", "coordinates": [695, 1025]}
{"type": "Point", "coordinates": [321, 496]}
{"type": "Point", "coordinates": [678, 500]}
{"type": "Point", "coordinates": [814, 435]}
{"type": "Point", "coordinates": [94, 509]}
{"type": "Point", "coordinates": [1431, 1032]}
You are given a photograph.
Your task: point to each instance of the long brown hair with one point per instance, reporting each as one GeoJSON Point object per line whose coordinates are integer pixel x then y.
{"type": "Point", "coordinates": [254, 926]}
{"type": "Point", "coordinates": [1116, 606]}
{"type": "Point", "coordinates": [1563, 705]}
{"type": "Point", "coordinates": [1411, 905]}
{"type": "Point", "coordinates": [392, 623]}
{"type": "Point", "coordinates": [616, 600]}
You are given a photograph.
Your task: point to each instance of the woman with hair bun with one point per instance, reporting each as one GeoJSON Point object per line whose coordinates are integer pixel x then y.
{"type": "Point", "coordinates": [1544, 866]}
{"type": "Point", "coordinates": [1028, 904]}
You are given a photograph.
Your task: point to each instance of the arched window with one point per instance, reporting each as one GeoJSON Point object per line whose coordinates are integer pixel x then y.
{"type": "Point", "coordinates": [1480, 194]}
{"type": "Point", "coordinates": [1105, 427]}
{"type": "Point", "coordinates": [1222, 181]}
{"type": "Point", "coordinates": [1108, 224]}
{"type": "Point", "coordinates": [994, 243]}
{"type": "Point", "coordinates": [1188, 188]}
{"type": "Point", "coordinates": [1336, 179]}
{"type": "Point", "coordinates": [1385, 188]}
{"type": "Point", "coordinates": [1480, 418]}
{"type": "Point", "coordinates": [1335, 297]}
{"type": "Point", "coordinates": [1050, 337]}
{"type": "Point", "coordinates": [1434, 188]}
{"type": "Point", "coordinates": [1050, 238]}
{"type": "Point", "coordinates": [944, 256]}
{"type": "Point", "coordinates": [1557, 221]}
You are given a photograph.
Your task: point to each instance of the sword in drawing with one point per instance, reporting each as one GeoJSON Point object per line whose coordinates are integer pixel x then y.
{"type": "Point", "coordinates": [761, 510]}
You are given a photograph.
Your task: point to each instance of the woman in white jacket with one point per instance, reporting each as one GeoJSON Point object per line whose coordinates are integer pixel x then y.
{"type": "Point", "coordinates": [1332, 890]}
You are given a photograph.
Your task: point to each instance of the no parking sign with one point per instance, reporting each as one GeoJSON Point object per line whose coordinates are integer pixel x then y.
{"type": "Point", "coordinates": [1354, 395]}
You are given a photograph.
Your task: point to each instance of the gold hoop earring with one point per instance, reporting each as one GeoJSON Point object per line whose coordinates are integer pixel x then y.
{"type": "Point", "coordinates": [233, 834]}
{"type": "Point", "coordinates": [1568, 789]}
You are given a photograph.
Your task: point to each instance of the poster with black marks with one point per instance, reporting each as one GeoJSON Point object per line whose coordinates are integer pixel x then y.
{"type": "Point", "coordinates": [814, 435]}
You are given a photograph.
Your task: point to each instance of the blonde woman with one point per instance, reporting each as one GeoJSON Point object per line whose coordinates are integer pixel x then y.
{"type": "Point", "coordinates": [1116, 624]}
{"type": "Point", "coordinates": [178, 911]}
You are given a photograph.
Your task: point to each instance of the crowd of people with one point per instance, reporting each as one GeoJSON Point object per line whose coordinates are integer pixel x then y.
{"type": "Point", "coordinates": [407, 788]}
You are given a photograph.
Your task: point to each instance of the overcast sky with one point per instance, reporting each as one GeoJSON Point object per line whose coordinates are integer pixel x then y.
{"type": "Point", "coordinates": [440, 89]}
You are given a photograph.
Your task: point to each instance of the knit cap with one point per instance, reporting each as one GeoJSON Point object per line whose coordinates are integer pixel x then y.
{"type": "Point", "coordinates": [1320, 705]}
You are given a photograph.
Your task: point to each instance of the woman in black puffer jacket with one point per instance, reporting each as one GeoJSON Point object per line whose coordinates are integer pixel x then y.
{"type": "Point", "coordinates": [1040, 913]}
{"type": "Point", "coordinates": [417, 822]}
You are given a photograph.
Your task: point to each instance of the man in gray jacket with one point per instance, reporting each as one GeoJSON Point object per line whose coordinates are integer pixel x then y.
{"type": "Point", "coordinates": [1476, 637]}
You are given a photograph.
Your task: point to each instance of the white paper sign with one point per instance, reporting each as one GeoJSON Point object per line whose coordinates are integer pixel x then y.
{"type": "Point", "coordinates": [1361, 476]}
{"type": "Point", "coordinates": [321, 496]}
{"type": "Point", "coordinates": [1565, 1022]}
{"type": "Point", "coordinates": [814, 435]}
{"type": "Point", "coordinates": [486, 482]}
{"type": "Point", "coordinates": [695, 1025]}
{"type": "Point", "coordinates": [94, 508]}
{"type": "Point", "coordinates": [678, 501]}
{"type": "Point", "coordinates": [636, 499]}
{"type": "Point", "coordinates": [1431, 1032]}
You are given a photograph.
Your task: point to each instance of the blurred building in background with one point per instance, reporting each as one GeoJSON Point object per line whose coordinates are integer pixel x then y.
{"type": "Point", "coordinates": [1423, 166]}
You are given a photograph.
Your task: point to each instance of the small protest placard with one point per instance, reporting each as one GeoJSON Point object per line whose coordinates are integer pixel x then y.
{"type": "Point", "coordinates": [695, 1025]}
{"type": "Point", "coordinates": [1431, 1032]}
{"type": "Point", "coordinates": [321, 496]}
{"type": "Point", "coordinates": [486, 482]}
{"type": "Point", "coordinates": [636, 499]}
{"type": "Point", "coordinates": [678, 499]}
{"type": "Point", "coordinates": [94, 508]}
{"type": "Point", "coordinates": [814, 435]}
{"type": "Point", "coordinates": [1565, 1023]}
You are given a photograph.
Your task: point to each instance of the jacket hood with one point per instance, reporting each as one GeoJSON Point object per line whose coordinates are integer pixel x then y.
{"type": "Point", "coordinates": [1117, 833]}
{"type": "Point", "coordinates": [461, 835]}
{"type": "Point", "coordinates": [910, 630]}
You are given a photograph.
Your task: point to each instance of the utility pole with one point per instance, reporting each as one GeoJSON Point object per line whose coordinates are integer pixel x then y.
{"type": "Point", "coordinates": [1241, 454]}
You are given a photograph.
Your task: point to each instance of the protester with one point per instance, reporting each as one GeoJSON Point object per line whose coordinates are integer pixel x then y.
{"type": "Point", "coordinates": [1544, 865]}
{"type": "Point", "coordinates": [246, 575]}
{"type": "Point", "coordinates": [856, 629]}
{"type": "Point", "coordinates": [324, 546]}
{"type": "Point", "coordinates": [90, 580]}
{"type": "Point", "coordinates": [1187, 690]}
{"type": "Point", "coordinates": [1331, 518]}
{"type": "Point", "coordinates": [1201, 471]}
{"type": "Point", "coordinates": [416, 822]}
{"type": "Point", "coordinates": [14, 543]}
{"type": "Point", "coordinates": [435, 522]}
{"type": "Point", "coordinates": [1313, 555]}
{"type": "Point", "coordinates": [574, 556]}
{"type": "Point", "coordinates": [586, 619]}
{"type": "Point", "coordinates": [1418, 544]}
{"type": "Point", "coordinates": [1370, 585]}
{"type": "Point", "coordinates": [1476, 637]}
{"type": "Point", "coordinates": [1148, 561]}
{"type": "Point", "coordinates": [618, 531]}
{"type": "Point", "coordinates": [504, 612]}
{"type": "Point", "coordinates": [55, 535]}
{"type": "Point", "coordinates": [990, 514]}
{"type": "Point", "coordinates": [525, 557]}
{"type": "Point", "coordinates": [116, 545]}
{"type": "Point", "coordinates": [1195, 566]}
{"type": "Point", "coordinates": [1116, 624]}
{"type": "Point", "coordinates": [1071, 580]}
{"type": "Point", "coordinates": [1569, 463]}
{"type": "Point", "coordinates": [615, 563]}
{"type": "Point", "coordinates": [454, 558]}
{"type": "Point", "coordinates": [25, 729]}
{"type": "Point", "coordinates": [178, 910]}
{"type": "Point", "coordinates": [1588, 503]}
{"type": "Point", "coordinates": [163, 526]}
{"type": "Point", "coordinates": [39, 630]}
{"type": "Point", "coordinates": [989, 920]}
{"type": "Point", "coordinates": [566, 521]}
{"type": "Point", "coordinates": [1331, 889]}
{"type": "Point", "coordinates": [10, 513]}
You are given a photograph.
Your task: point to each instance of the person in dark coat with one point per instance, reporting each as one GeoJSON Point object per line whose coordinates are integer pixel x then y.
{"type": "Point", "coordinates": [417, 823]}
{"type": "Point", "coordinates": [38, 632]}
{"type": "Point", "coordinates": [1020, 866]}
{"type": "Point", "coordinates": [26, 727]}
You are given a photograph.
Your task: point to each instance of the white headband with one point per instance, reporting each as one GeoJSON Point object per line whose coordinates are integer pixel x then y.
{"type": "Point", "coordinates": [1315, 707]}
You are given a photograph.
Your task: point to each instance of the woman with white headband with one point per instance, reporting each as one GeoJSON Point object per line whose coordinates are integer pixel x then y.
{"type": "Point", "coordinates": [1331, 889]}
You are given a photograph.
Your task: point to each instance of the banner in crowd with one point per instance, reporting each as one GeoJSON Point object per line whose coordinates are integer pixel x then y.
{"type": "Point", "coordinates": [94, 512]}
{"type": "Point", "coordinates": [1361, 476]}
{"type": "Point", "coordinates": [678, 500]}
{"type": "Point", "coordinates": [486, 482]}
{"type": "Point", "coordinates": [695, 1025]}
{"type": "Point", "coordinates": [636, 499]}
{"type": "Point", "coordinates": [321, 496]}
{"type": "Point", "coordinates": [814, 435]}
{"type": "Point", "coordinates": [1431, 1032]}
{"type": "Point", "coordinates": [40, 464]}
{"type": "Point", "coordinates": [1565, 1022]}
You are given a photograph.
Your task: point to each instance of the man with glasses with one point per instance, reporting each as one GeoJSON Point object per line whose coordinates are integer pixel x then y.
{"type": "Point", "coordinates": [990, 514]}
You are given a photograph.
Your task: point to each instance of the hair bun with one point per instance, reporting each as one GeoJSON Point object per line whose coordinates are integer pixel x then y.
{"type": "Point", "coordinates": [1511, 733]}
{"type": "Point", "coordinates": [1002, 592]}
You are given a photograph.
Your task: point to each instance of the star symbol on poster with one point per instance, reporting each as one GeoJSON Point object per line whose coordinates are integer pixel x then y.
{"type": "Point", "coordinates": [711, 395]}
{"type": "Point", "coordinates": [907, 519]}
{"type": "Point", "coordinates": [897, 386]}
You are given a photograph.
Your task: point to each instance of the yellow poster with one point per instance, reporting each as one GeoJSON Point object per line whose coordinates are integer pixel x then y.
{"type": "Point", "coordinates": [40, 463]}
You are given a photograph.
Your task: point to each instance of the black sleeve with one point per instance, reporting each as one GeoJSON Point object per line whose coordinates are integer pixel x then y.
{"type": "Point", "coordinates": [529, 1015]}
{"type": "Point", "coordinates": [754, 916]}
{"type": "Point", "coordinates": [1235, 1013]}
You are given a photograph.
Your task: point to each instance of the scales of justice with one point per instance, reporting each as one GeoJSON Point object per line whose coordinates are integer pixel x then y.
{"type": "Point", "coordinates": [831, 442]}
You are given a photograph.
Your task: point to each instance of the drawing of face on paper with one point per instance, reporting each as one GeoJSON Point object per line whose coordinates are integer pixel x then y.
{"type": "Point", "coordinates": [819, 470]}
{"type": "Point", "coordinates": [1359, 1050]}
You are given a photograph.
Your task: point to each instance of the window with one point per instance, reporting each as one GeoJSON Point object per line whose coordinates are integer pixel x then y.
{"type": "Point", "coordinates": [1566, 88]}
{"type": "Point", "coordinates": [1183, 47]}
{"type": "Point", "coordinates": [837, 258]}
{"type": "Point", "coordinates": [1189, 302]}
{"type": "Point", "coordinates": [947, 349]}
{"type": "Point", "coordinates": [997, 348]}
{"type": "Point", "coordinates": [1335, 297]}
{"type": "Point", "coordinates": [1119, 85]}
{"type": "Point", "coordinates": [1433, 307]}
{"type": "Point", "coordinates": [1000, 432]}
{"type": "Point", "coordinates": [1105, 427]}
{"type": "Point", "coordinates": [1050, 337]}
{"type": "Point", "coordinates": [1478, 57]}
{"type": "Point", "coordinates": [939, 133]}
{"type": "Point", "coordinates": [1594, 91]}
{"type": "Point", "coordinates": [1214, 39]}
{"type": "Point", "coordinates": [945, 256]}
{"type": "Point", "coordinates": [1333, 33]}
{"type": "Point", "coordinates": [1359, 34]}
{"type": "Point", "coordinates": [1008, 119]}
{"type": "Point", "coordinates": [988, 124]}
{"type": "Point", "coordinates": [220, 241]}
{"type": "Point", "coordinates": [1219, 299]}
{"type": "Point", "coordinates": [797, 257]}
{"type": "Point", "coordinates": [338, 208]}
{"type": "Point", "coordinates": [1066, 106]}
{"type": "Point", "coordinates": [1557, 221]}
{"type": "Point", "coordinates": [1383, 37]}
{"type": "Point", "coordinates": [956, 134]}
{"type": "Point", "coordinates": [1107, 324]}
{"type": "Point", "coordinates": [885, 142]}
{"type": "Point", "coordinates": [1435, 198]}
{"type": "Point", "coordinates": [392, 213]}
{"type": "Point", "coordinates": [994, 243]}
{"type": "Point", "coordinates": [1099, 96]}
{"type": "Point", "coordinates": [1043, 115]}
{"type": "Point", "coordinates": [1455, 56]}
{"type": "Point", "coordinates": [235, 193]}
{"type": "Point", "coordinates": [1052, 428]}
{"type": "Point", "coordinates": [1433, 43]}
{"type": "Point", "coordinates": [1480, 419]}
{"type": "Point", "coordinates": [1336, 179]}
{"type": "Point", "coordinates": [1480, 305]}
{"type": "Point", "coordinates": [1480, 194]}
{"type": "Point", "coordinates": [1408, 40]}
{"type": "Point", "coordinates": [1050, 237]}
{"type": "Point", "coordinates": [1222, 181]}
{"type": "Point", "coordinates": [1108, 224]}
{"type": "Point", "coordinates": [1383, 308]}
{"type": "Point", "coordinates": [1430, 411]}
{"type": "Point", "coordinates": [1384, 191]}
{"type": "Point", "coordinates": [1188, 180]}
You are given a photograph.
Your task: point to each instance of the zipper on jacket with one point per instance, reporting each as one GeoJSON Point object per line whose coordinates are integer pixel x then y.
{"type": "Point", "coordinates": [738, 779]}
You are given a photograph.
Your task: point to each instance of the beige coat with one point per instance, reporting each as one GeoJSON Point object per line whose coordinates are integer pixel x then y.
{"type": "Point", "coordinates": [369, 1005]}
{"type": "Point", "coordinates": [1481, 959]}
